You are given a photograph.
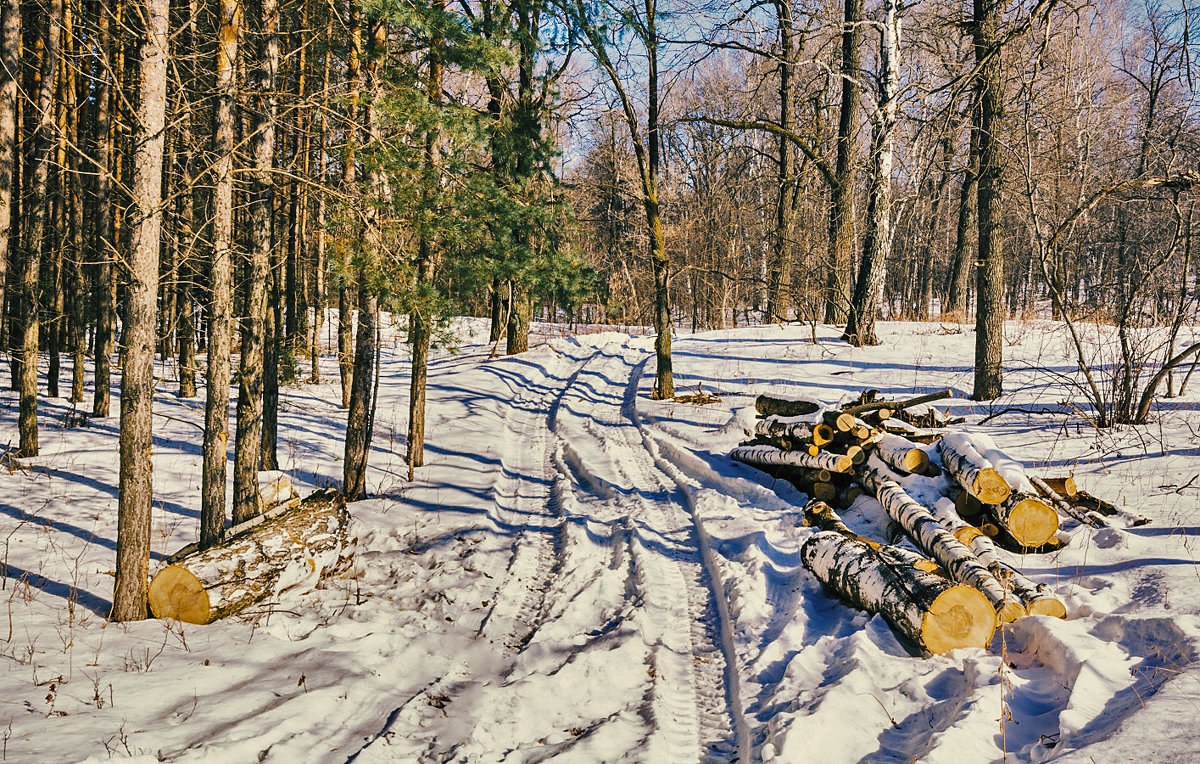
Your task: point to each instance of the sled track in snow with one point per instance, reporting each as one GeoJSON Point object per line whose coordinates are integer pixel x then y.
{"type": "Point", "coordinates": [693, 710]}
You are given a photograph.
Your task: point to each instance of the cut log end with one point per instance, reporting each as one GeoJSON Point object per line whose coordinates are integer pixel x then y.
{"type": "Point", "coordinates": [1032, 522]}
{"type": "Point", "coordinates": [822, 434]}
{"type": "Point", "coordinates": [916, 461]}
{"type": "Point", "coordinates": [960, 617]}
{"type": "Point", "coordinates": [177, 594]}
{"type": "Point", "coordinates": [1049, 606]}
{"type": "Point", "coordinates": [990, 487]}
{"type": "Point", "coordinates": [1010, 612]}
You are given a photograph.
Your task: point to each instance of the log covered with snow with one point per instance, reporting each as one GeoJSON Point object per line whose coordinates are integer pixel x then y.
{"type": "Point", "coordinates": [291, 549]}
{"type": "Point", "coordinates": [971, 470]}
{"type": "Point", "coordinates": [901, 453]}
{"type": "Point", "coordinates": [935, 540]}
{"type": "Point", "coordinates": [1038, 599]}
{"type": "Point", "coordinates": [929, 610]}
{"type": "Point", "coordinates": [1030, 521]}
{"type": "Point", "coordinates": [794, 428]}
{"type": "Point", "coordinates": [775, 457]}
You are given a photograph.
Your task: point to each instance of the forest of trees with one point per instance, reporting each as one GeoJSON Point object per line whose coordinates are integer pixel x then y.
{"type": "Point", "coordinates": [205, 181]}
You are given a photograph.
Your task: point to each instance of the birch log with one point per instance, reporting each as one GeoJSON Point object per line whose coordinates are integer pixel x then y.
{"type": "Point", "coordinates": [1038, 599]}
{"type": "Point", "coordinates": [820, 515]}
{"type": "Point", "coordinates": [794, 428]}
{"type": "Point", "coordinates": [971, 470]}
{"type": "Point", "coordinates": [900, 453]}
{"type": "Point", "coordinates": [1029, 520]}
{"type": "Point", "coordinates": [293, 549]}
{"type": "Point", "coordinates": [929, 610]}
{"type": "Point", "coordinates": [775, 457]}
{"type": "Point", "coordinates": [1062, 505]}
{"type": "Point", "coordinates": [933, 539]}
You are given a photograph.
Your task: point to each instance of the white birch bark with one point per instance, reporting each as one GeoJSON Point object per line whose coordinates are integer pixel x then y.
{"type": "Point", "coordinates": [775, 457]}
{"type": "Point", "coordinates": [971, 470]}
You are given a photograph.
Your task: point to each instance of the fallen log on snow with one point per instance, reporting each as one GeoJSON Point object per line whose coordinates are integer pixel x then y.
{"type": "Point", "coordinates": [901, 453]}
{"type": "Point", "coordinates": [1062, 505]}
{"type": "Point", "coordinates": [780, 427]}
{"type": "Point", "coordinates": [260, 559]}
{"type": "Point", "coordinates": [1030, 521]}
{"type": "Point", "coordinates": [971, 470]}
{"type": "Point", "coordinates": [935, 540]}
{"type": "Point", "coordinates": [1038, 599]}
{"type": "Point", "coordinates": [775, 457]}
{"type": "Point", "coordinates": [768, 405]}
{"type": "Point", "coordinates": [930, 611]}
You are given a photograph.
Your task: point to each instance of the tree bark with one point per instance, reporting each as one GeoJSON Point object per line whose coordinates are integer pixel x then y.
{"type": "Point", "coordinates": [971, 470]}
{"type": "Point", "coordinates": [779, 285]}
{"type": "Point", "coordinates": [137, 378]}
{"type": "Point", "coordinates": [841, 206]}
{"type": "Point", "coordinates": [989, 307]}
{"type": "Point", "coordinates": [860, 328]}
{"type": "Point", "coordinates": [346, 292]}
{"type": "Point", "coordinates": [10, 74]}
{"type": "Point", "coordinates": [220, 329]}
{"type": "Point", "coordinates": [104, 243]}
{"type": "Point", "coordinates": [43, 148]}
{"type": "Point", "coordinates": [248, 439]}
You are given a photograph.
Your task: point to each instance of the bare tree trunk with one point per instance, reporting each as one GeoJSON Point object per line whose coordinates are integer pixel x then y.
{"type": "Point", "coordinates": [841, 206]}
{"type": "Point", "coordinates": [860, 329]}
{"type": "Point", "coordinates": [360, 418]}
{"type": "Point", "coordinates": [319, 265]}
{"type": "Point", "coordinates": [955, 305]}
{"type": "Point", "coordinates": [10, 73]}
{"type": "Point", "coordinates": [137, 379]}
{"type": "Point", "coordinates": [248, 438]}
{"type": "Point", "coordinates": [220, 329]}
{"type": "Point", "coordinates": [43, 147]}
{"type": "Point", "coordinates": [346, 290]}
{"type": "Point", "coordinates": [989, 318]}
{"type": "Point", "coordinates": [104, 238]}
{"type": "Point", "coordinates": [779, 285]}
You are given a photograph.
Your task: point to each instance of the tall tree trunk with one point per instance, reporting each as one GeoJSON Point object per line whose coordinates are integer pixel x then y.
{"type": "Point", "coordinates": [43, 148]}
{"type": "Point", "coordinates": [841, 203]}
{"type": "Point", "coordinates": [319, 264]}
{"type": "Point", "coordinates": [660, 264]}
{"type": "Point", "coordinates": [220, 329]}
{"type": "Point", "coordinates": [104, 235]}
{"type": "Point", "coordinates": [10, 73]}
{"type": "Point", "coordinates": [520, 309]}
{"type": "Point", "coordinates": [955, 305]}
{"type": "Point", "coordinates": [188, 207]}
{"type": "Point", "coordinates": [420, 321]}
{"type": "Point", "coordinates": [779, 286]}
{"type": "Point", "coordinates": [137, 379]}
{"type": "Point", "coordinates": [346, 290]}
{"type": "Point", "coordinates": [248, 439]}
{"type": "Point", "coordinates": [360, 417]}
{"type": "Point", "coordinates": [989, 308]}
{"type": "Point", "coordinates": [272, 340]}
{"type": "Point", "coordinates": [860, 329]}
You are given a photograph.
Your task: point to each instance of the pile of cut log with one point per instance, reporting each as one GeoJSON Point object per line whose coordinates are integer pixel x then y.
{"type": "Point", "coordinates": [963, 504]}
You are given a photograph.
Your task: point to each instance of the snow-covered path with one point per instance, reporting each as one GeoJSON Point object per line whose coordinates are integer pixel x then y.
{"type": "Point", "coordinates": [581, 574]}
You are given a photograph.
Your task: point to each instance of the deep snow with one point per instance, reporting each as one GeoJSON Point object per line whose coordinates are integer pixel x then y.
{"type": "Point", "coordinates": [581, 573]}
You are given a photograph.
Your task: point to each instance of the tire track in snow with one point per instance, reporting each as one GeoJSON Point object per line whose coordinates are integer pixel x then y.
{"type": "Point", "coordinates": [526, 506]}
{"type": "Point", "coordinates": [692, 705]}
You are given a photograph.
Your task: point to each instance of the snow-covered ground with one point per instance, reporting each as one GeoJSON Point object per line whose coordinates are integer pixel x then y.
{"type": "Point", "coordinates": [581, 573]}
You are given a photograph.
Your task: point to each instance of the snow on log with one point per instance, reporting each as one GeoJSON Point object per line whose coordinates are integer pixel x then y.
{"type": "Point", "coordinates": [784, 427]}
{"type": "Point", "coordinates": [1038, 599]}
{"type": "Point", "coordinates": [288, 550]}
{"type": "Point", "coordinates": [767, 405]}
{"type": "Point", "coordinates": [778, 458]}
{"type": "Point", "coordinates": [929, 610]}
{"type": "Point", "coordinates": [932, 538]}
{"type": "Point", "coordinates": [971, 470]}
{"type": "Point", "coordinates": [819, 514]}
{"type": "Point", "coordinates": [900, 453]}
{"type": "Point", "coordinates": [1029, 520]}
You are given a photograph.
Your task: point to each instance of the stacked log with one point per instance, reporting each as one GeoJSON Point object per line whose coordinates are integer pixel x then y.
{"type": "Point", "coordinates": [929, 610]}
{"type": "Point", "coordinates": [964, 502]}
